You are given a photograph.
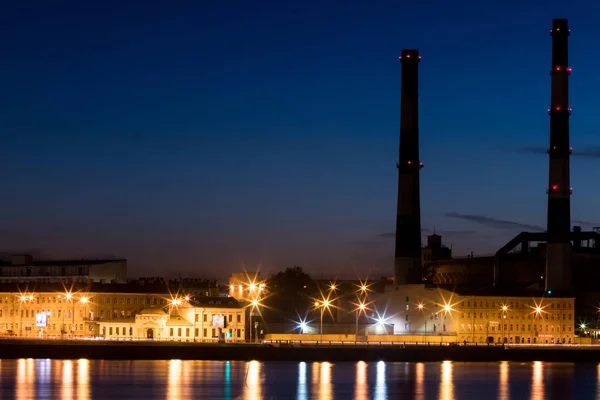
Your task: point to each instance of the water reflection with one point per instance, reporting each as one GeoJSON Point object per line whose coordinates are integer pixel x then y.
{"type": "Point", "coordinates": [301, 391]}
{"type": "Point", "coordinates": [325, 384]}
{"type": "Point", "coordinates": [83, 379]}
{"type": "Point", "coordinates": [503, 392]}
{"type": "Point", "coordinates": [446, 382]}
{"type": "Point", "coordinates": [420, 381]}
{"type": "Point", "coordinates": [67, 380]}
{"type": "Point", "coordinates": [174, 380]}
{"type": "Point", "coordinates": [252, 388]}
{"type": "Point", "coordinates": [177, 379]}
{"type": "Point", "coordinates": [25, 379]}
{"type": "Point", "coordinates": [228, 380]}
{"type": "Point", "coordinates": [537, 381]}
{"type": "Point", "coordinates": [380, 387]}
{"type": "Point", "coordinates": [598, 381]}
{"type": "Point", "coordinates": [361, 388]}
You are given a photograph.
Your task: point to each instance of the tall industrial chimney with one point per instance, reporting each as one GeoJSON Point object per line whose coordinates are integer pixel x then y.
{"type": "Point", "coordinates": [558, 254]}
{"type": "Point", "coordinates": [407, 260]}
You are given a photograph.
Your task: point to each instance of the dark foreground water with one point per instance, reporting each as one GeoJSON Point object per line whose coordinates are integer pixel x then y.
{"type": "Point", "coordinates": [176, 379]}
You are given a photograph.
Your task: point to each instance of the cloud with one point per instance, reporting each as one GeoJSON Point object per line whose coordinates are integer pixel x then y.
{"type": "Point", "coordinates": [495, 222]}
{"type": "Point", "coordinates": [584, 151]}
{"type": "Point", "coordinates": [585, 223]}
{"type": "Point", "coordinates": [386, 235]}
{"type": "Point", "coordinates": [427, 231]}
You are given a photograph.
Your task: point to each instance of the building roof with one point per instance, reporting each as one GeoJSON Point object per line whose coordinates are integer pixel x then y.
{"type": "Point", "coordinates": [525, 290]}
{"type": "Point", "coordinates": [215, 302]}
{"type": "Point", "coordinates": [166, 288]}
{"type": "Point", "coordinates": [178, 320]}
{"type": "Point", "coordinates": [58, 263]}
{"type": "Point", "coordinates": [153, 311]}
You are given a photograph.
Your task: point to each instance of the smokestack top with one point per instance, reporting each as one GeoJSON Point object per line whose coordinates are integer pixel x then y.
{"type": "Point", "coordinates": [560, 25]}
{"type": "Point", "coordinates": [408, 55]}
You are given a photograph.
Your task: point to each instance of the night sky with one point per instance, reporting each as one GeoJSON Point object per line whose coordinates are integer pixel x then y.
{"type": "Point", "coordinates": [212, 136]}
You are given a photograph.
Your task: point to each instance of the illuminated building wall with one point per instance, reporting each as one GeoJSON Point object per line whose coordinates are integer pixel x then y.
{"type": "Point", "coordinates": [88, 313]}
{"type": "Point", "coordinates": [433, 311]}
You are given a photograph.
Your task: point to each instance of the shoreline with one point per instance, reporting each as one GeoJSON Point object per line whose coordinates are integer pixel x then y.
{"type": "Point", "coordinates": [103, 350]}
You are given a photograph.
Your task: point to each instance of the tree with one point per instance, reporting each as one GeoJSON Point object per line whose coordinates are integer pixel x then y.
{"type": "Point", "coordinates": [290, 294]}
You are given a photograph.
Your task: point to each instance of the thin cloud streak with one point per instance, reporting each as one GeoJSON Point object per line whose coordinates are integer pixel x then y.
{"type": "Point", "coordinates": [495, 222]}
{"type": "Point", "coordinates": [585, 151]}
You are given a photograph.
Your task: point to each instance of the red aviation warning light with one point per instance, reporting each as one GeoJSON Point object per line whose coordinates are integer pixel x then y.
{"type": "Point", "coordinates": [554, 187]}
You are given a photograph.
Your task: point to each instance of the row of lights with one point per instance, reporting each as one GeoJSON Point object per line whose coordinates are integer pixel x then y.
{"type": "Point", "coordinates": [68, 296]}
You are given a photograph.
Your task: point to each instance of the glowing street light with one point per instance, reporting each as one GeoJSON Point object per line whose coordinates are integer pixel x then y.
{"type": "Point", "coordinates": [84, 300]}
{"type": "Point", "coordinates": [447, 308]}
{"type": "Point", "coordinates": [504, 308]}
{"type": "Point", "coordinates": [361, 308]}
{"type": "Point", "coordinates": [23, 298]}
{"type": "Point", "coordinates": [420, 306]}
{"type": "Point", "coordinates": [333, 287]}
{"type": "Point", "coordinates": [255, 304]}
{"type": "Point", "coordinates": [69, 296]}
{"type": "Point", "coordinates": [31, 298]}
{"type": "Point", "coordinates": [323, 305]}
{"type": "Point", "coordinates": [187, 298]}
{"type": "Point", "coordinates": [538, 310]}
{"type": "Point", "coordinates": [252, 287]}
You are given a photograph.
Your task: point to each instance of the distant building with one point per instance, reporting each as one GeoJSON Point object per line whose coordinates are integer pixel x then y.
{"type": "Point", "coordinates": [521, 317]}
{"type": "Point", "coordinates": [245, 286]}
{"type": "Point", "coordinates": [140, 309]}
{"type": "Point", "coordinates": [23, 267]}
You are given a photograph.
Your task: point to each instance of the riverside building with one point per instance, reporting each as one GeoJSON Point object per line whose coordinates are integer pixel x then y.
{"type": "Point", "coordinates": [435, 314]}
{"type": "Point", "coordinates": [136, 310]}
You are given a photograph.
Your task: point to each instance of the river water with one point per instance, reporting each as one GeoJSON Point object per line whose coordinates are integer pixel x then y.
{"type": "Point", "coordinates": [177, 379]}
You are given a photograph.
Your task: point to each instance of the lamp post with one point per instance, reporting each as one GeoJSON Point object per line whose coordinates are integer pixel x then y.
{"type": "Point", "coordinates": [69, 297]}
{"type": "Point", "coordinates": [255, 305]}
{"type": "Point", "coordinates": [504, 308]}
{"type": "Point", "coordinates": [323, 305]}
{"type": "Point", "coordinates": [84, 300]}
{"type": "Point", "coordinates": [421, 308]}
{"type": "Point", "coordinates": [361, 308]}
{"type": "Point", "coordinates": [22, 299]}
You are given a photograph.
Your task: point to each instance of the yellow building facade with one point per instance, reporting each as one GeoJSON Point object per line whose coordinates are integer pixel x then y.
{"type": "Point", "coordinates": [88, 313]}
{"type": "Point", "coordinates": [434, 313]}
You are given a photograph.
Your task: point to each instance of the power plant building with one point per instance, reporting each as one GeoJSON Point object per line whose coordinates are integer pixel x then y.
{"type": "Point", "coordinates": [477, 299]}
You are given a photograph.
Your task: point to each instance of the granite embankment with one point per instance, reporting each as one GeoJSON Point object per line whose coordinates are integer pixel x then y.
{"type": "Point", "coordinates": [144, 350]}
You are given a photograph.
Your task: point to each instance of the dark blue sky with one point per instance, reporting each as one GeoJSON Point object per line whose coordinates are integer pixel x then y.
{"type": "Point", "coordinates": [208, 136]}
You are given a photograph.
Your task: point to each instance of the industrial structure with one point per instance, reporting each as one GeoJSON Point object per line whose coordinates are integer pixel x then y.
{"type": "Point", "coordinates": [487, 283]}
{"type": "Point", "coordinates": [407, 257]}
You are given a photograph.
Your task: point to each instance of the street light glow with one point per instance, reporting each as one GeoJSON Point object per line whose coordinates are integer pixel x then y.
{"type": "Point", "coordinates": [504, 308]}
{"type": "Point", "coordinates": [332, 287]}
{"type": "Point", "coordinates": [84, 300]}
{"type": "Point", "coordinates": [23, 298]}
{"type": "Point", "coordinates": [325, 303]}
{"type": "Point", "coordinates": [252, 286]}
{"type": "Point", "coordinates": [30, 297]}
{"type": "Point", "coordinates": [363, 288]}
{"type": "Point", "coordinates": [303, 326]}
{"type": "Point", "coordinates": [538, 310]}
{"type": "Point", "coordinates": [361, 306]}
{"type": "Point", "coordinates": [420, 306]}
{"type": "Point", "coordinates": [69, 296]}
{"type": "Point", "coordinates": [187, 298]}
{"type": "Point", "coordinates": [582, 326]}
{"type": "Point", "coordinates": [254, 303]}
{"type": "Point", "coordinates": [447, 307]}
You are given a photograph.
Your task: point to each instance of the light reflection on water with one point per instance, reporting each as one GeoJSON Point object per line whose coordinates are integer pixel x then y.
{"type": "Point", "coordinates": [254, 380]}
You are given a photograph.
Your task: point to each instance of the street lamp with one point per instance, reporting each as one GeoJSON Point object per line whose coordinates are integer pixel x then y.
{"type": "Point", "coordinates": [361, 308]}
{"type": "Point", "coordinates": [255, 304]}
{"type": "Point", "coordinates": [323, 305]}
{"type": "Point", "coordinates": [420, 307]}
